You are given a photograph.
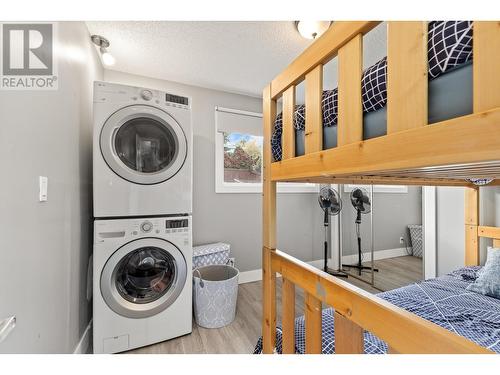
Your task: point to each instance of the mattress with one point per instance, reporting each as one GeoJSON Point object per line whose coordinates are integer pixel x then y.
{"type": "Point", "coordinates": [443, 301]}
{"type": "Point", "coordinates": [450, 88]}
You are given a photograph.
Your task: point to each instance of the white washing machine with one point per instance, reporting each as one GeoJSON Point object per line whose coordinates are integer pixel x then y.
{"type": "Point", "coordinates": [142, 282]}
{"type": "Point", "coordinates": [142, 152]}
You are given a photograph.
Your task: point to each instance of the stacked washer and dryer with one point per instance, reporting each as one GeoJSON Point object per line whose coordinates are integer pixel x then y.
{"type": "Point", "coordinates": [142, 162]}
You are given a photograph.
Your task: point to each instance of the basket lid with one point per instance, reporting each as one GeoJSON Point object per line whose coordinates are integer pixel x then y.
{"type": "Point", "coordinates": [210, 248]}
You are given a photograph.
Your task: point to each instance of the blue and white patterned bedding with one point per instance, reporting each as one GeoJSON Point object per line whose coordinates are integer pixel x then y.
{"type": "Point", "coordinates": [443, 301]}
{"type": "Point", "coordinates": [449, 45]}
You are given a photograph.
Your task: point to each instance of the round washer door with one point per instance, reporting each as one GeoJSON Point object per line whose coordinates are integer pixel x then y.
{"type": "Point", "coordinates": [143, 144]}
{"type": "Point", "coordinates": [143, 277]}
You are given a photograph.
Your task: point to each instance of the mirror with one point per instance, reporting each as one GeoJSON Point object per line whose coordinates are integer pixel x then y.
{"type": "Point", "coordinates": [384, 247]}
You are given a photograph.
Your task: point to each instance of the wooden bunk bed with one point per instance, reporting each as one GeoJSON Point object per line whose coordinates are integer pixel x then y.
{"type": "Point", "coordinates": [412, 153]}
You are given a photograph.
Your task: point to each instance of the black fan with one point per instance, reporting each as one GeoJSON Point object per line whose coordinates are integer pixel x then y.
{"type": "Point", "coordinates": [361, 202]}
{"type": "Point", "coordinates": [331, 204]}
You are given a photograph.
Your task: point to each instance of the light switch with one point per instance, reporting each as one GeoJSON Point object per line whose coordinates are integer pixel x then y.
{"type": "Point", "coordinates": [43, 187]}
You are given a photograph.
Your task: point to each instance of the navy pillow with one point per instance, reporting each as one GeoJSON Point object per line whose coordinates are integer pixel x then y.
{"type": "Point", "coordinates": [488, 282]}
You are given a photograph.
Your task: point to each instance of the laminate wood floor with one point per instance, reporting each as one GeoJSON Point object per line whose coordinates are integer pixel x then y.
{"type": "Point", "coordinates": [394, 272]}
{"type": "Point", "coordinates": [241, 336]}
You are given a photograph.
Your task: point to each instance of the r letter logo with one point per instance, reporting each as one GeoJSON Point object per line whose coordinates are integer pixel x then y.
{"type": "Point", "coordinates": [28, 57]}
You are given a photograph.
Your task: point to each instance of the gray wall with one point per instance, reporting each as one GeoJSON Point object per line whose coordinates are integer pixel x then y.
{"type": "Point", "coordinates": [235, 218]}
{"type": "Point", "coordinates": [44, 247]}
{"type": "Point", "coordinates": [392, 212]}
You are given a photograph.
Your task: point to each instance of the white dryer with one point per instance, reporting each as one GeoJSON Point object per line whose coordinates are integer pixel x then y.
{"type": "Point", "coordinates": [142, 282]}
{"type": "Point", "coordinates": [142, 152]}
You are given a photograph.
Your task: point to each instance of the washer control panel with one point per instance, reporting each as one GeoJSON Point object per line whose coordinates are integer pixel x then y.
{"type": "Point", "coordinates": [120, 229]}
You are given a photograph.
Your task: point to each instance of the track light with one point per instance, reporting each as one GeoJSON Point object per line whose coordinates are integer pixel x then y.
{"type": "Point", "coordinates": [312, 29]}
{"type": "Point", "coordinates": [103, 44]}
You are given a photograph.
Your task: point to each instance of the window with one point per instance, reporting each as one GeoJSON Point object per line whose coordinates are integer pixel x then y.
{"type": "Point", "coordinates": [378, 188]}
{"type": "Point", "coordinates": [238, 154]}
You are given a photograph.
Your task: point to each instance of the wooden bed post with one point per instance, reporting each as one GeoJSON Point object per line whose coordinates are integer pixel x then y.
{"type": "Point", "coordinates": [471, 226]}
{"type": "Point", "coordinates": [269, 229]}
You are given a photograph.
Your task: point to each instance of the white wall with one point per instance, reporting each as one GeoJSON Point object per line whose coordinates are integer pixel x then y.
{"type": "Point", "coordinates": [235, 218]}
{"type": "Point", "coordinates": [45, 247]}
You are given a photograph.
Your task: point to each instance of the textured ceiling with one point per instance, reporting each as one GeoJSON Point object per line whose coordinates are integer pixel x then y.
{"type": "Point", "coordinates": [240, 57]}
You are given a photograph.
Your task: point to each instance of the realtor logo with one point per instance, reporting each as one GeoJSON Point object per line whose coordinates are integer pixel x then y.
{"type": "Point", "coordinates": [28, 57]}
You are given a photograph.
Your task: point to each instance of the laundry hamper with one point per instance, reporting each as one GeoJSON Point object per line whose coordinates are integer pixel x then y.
{"type": "Point", "coordinates": [215, 292]}
{"type": "Point", "coordinates": [416, 239]}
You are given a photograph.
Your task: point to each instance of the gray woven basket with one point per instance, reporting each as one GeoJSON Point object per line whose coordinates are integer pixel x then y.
{"type": "Point", "coordinates": [215, 293]}
{"type": "Point", "coordinates": [416, 239]}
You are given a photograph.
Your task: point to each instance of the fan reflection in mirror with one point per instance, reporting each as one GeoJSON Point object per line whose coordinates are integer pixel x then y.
{"type": "Point", "coordinates": [330, 202]}
{"type": "Point", "coordinates": [360, 200]}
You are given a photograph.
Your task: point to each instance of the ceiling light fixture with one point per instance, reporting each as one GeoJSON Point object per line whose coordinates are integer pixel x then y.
{"type": "Point", "coordinates": [103, 44]}
{"type": "Point", "coordinates": [312, 29]}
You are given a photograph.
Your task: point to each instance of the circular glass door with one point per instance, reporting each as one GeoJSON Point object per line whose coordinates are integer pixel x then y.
{"type": "Point", "coordinates": [143, 277]}
{"type": "Point", "coordinates": [143, 144]}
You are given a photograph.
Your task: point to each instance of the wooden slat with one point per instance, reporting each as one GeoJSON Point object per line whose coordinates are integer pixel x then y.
{"type": "Point", "coordinates": [313, 324]}
{"type": "Point", "coordinates": [350, 107]}
{"type": "Point", "coordinates": [348, 336]}
{"type": "Point", "coordinates": [268, 230]}
{"type": "Point", "coordinates": [391, 351]}
{"type": "Point", "coordinates": [320, 52]}
{"type": "Point", "coordinates": [406, 75]}
{"type": "Point", "coordinates": [488, 232]}
{"type": "Point", "coordinates": [471, 219]}
{"type": "Point", "coordinates": [452, 142]}
{"type": "Point", "coordinates": [314, 115]}
{"type": "Point", "coordinates": [374, 314]}
{"type": "Point", "coordinates": [288, 318]}
{"type": "Point", "coordinates": [288, 137]}
{"type": "Point", "coordinates": [384, 180]}
{"type": "Point", "coordinates": [486, 72]}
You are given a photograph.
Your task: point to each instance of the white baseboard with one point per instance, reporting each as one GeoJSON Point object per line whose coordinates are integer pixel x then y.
{"type": "Point", "coordinates": [250, 276]}
{"type": "Point", "coordinates": [377, 255]}
{"type": "Point", "coordinates": [84, 343]}
{"type": "Point", "coordinates": [256, 275]}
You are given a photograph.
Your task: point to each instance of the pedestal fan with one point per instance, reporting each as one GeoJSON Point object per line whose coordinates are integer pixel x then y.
{"type": "Point", "coordinates": [361, 203]}
{"type": "Point", "coordinates": [331, 204]}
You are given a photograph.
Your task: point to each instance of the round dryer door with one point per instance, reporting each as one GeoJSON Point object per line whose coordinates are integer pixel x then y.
{"type": "Point", "coordinates": [143, 277]}
{"type": "Point", "coordinates": [143, 144]}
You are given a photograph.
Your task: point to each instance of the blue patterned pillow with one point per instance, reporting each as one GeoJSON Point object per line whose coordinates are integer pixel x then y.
{"type": "Point", "coordinates": [488, 282]}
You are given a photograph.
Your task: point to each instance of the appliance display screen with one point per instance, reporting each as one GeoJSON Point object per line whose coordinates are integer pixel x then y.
{"type": "Point", "coordinates": [182, 223]}
{"type": "Point", "coordinates": [176, 99]}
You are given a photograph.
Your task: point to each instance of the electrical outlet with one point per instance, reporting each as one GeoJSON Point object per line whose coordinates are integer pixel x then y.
{"type": "Point", "coordinates": [401, 240]}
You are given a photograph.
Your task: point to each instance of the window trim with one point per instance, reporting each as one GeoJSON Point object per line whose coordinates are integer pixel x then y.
{"type": "Point", "coordinates": [222, 187]}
